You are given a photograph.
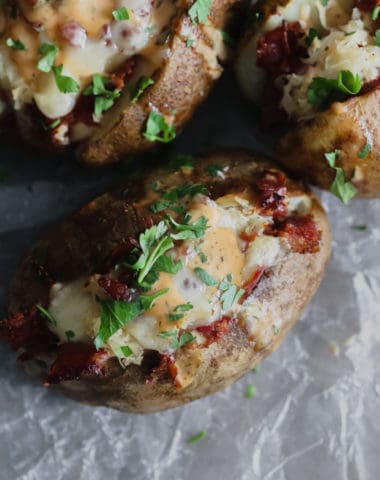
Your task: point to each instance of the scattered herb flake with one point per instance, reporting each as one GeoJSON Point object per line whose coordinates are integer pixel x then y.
{"type": "Point", "coordinates": [195, 438]}
{"type": "Point", "coordinates": [47, 315]}
{"type": "Point", "coordinates": [120, 14]}
{"type": "Point", "coordinates": [205, 277]}
{"type": "Point", "coordinates": [345, 191]}
{"type": "Point", "coordinates": [69, 335]}
{"type": "Point", "coordinates": [250, 392]}
{"type": "Point", "coordinates": [365, 151]}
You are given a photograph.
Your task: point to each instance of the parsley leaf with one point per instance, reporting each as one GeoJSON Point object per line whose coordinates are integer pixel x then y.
{"type": "Point", "coordinates": [196, 438]}
{"type": "Point", "coordinates": [69, 335]}
{"type": "Point", "coordinates": [276, 330]}
{"type": "Point", "coordinates": [65, 84]}
{"type": "Point", "coordinates": [230, 295]}
{"type": "Point", "coordinates": [184, 307]}
{"type": "Point", "coordinates": [250, 392]}
{"type": "Point", "coordinates": [138, 88]}
{"type": "Point", "coordinates": [323, 91]}
{"type": "Point", "coordinates": [185, 338]}
{"type": "Point", "coordinates": [359, 228]}
{"type": "Point", "coordinates": [188, 231]}
{"type": "Point", "coordinates": [147, 301]}
{"type": "Point", "coordinates": [104, 98]}
{"type": "Point", "coordinates": [375, 13]}
{"type": "Point", "coordinates": [120, 14]}
{"type": "Point", "coordinates": [377, 38]}
{"type": "Point", "coordinates": [126, 351]}
{"type": "Point", "coordinates": [114, 315]}
{"type": "Point", "coordinates": [158, 130]}
{"type": "Point", "coordinates": [365, 151]}
{"type": "Point", "coordinates": [15, 44]}
{"type": "Point", "coordinates": [199, 11]}
{"type": "Point", "coordinates": [312, 35]}
{"type": "Point", "coordinates": [205, 277]}
{"type": "Point", "coordinates": [49, 52]}
{"type": "Point", "coordinates": [47, 315]}
{"type": "Point", "coordinates": [345, 191]}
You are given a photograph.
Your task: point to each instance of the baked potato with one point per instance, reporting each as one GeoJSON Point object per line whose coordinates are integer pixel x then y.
{"type": "Point", "coordinates": [172, 286]}
{"type": "Point", "coordinates": [315, 69]}
{"type": "Point", "coordinates": [112, 76]}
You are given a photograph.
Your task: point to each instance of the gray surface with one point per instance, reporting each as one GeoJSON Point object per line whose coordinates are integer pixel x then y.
{"type": "Point", "coordinates": [315, 416]}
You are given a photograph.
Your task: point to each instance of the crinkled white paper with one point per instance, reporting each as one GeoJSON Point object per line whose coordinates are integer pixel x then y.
{"type": "Point", "coordinates": [315, 414]}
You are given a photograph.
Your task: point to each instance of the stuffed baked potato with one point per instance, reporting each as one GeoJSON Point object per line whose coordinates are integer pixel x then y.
{"type": "Point", "coordinates": [115, 76]}
{"type": "Point", "coordinates": [315, 68]}
{"type": "Point", "coordinates": [170, 287]}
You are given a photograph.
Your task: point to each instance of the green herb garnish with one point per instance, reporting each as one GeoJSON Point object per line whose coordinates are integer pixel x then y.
{"type": "Point", "coordinates": [47, 315]}
{"type": "Point", "coordinates": [196, 438]}
{"type": "Point", "coordinates": [200, 11]}
{"type": "Point", "coordinates": [158, 130]}
{"type": "Point", "coordinates": [323, 91]}
{"type": "Point", "coordinates": [345, 191]}
{"type": "Point", "coordinates": [49, 52]}
{"type": "Point", "coordinates": [64, 83]}
{"type": "Point", "coordinates": [205, 277]}
{"type": "Point", "coordinates": [120, 14]}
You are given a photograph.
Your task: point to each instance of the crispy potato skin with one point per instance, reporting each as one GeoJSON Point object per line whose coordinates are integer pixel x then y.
{"type": "Point", "coordinates": [180, 86]}
{"type": "Point", "coordinates": [82, 243]}
{"type": "Point", "coordinates": [346, 127]}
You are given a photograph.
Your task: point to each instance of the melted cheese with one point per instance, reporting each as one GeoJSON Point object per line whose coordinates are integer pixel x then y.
{"type": "Point", "coordinates": [75, 308]}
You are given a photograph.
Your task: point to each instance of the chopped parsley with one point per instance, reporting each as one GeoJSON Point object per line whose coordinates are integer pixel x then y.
{"type": "Point", "coordinates": [323, 91]}
{"type": "Point", "coordinates": [64, 83]}
{"type": "Point", "coordinates": [214, 169]}
{"type": "Point", "coordinates": [49, 52]}
{"type": "Point", "coordinates": [250, 392]}
{"type": "Point", "coordinates": [126, 351]}
{"type": "Point", "coordinates": [184, 307]}
{"type": "Point", "coordinates": [184, 339]}
{"type": "Point", "coordinates": [189, 42]}
{"type": "Point", "coordinates": [227, 39]}
{"type": "Point", "coordinates": [359, 228]}
{"type": "Point", "coordinates": [174, 317]}
{"type": "Point", "coordinates": [15, 44]}
{"type": "Point", "coordinates": [104, 98]}
{"type": "Point", "coordinates": [377, 38]}
{"type": "Point", "coordinates": [170, 199]}
{"type": "Point", "coordinates": [115, 314]}
{"type": "Point", "coordinates": [120, 14]}
{"type": "Point", "coordinates": [365, 151]}
{"type": "Point", "coordinates": [231, 294]}
{"type": "Point", "coordinates": [158, 130]}
{"type": "Point", "coordinates": [311, 36]}
{"type": "Point", "coordinates": [138, 88]}
{"type": "Point", "coordinates": [186, 230]}
{"type": "Point", "coordinates": [375, 13]}
{"type": "Point", "coordinates": [345, 191]}
{"type": "Point", "coordinates": [200, 11]}
{"type": "Point", "coordinates": [205, 277]}
{"type": "Point", "coordinates": [69, 335]}
{"type": "Point", "coordinates": [276, 330]}
{"type": "Point", "coordinates": [47, 315]}
{"type": "Point", "coordinates": [195, 438]}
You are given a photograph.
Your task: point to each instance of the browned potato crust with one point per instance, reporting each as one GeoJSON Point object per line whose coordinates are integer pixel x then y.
{"type": "Point", "coordinates": [183, 82]}
{"type": "Point", "coordinates": [345, 127]}
{"type": "Point", "coordinates": [82, 244]}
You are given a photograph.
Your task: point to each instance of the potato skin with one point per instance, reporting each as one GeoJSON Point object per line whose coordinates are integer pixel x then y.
{"type": "Point", "coordinates": [82, 243]}
{"type": "Point", "coordinates": [346, 127]}
{"type": "Point", "coordinates": [181, 85]}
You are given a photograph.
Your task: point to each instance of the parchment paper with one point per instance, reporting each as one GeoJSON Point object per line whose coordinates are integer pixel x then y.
{"type": "Point", "coordinates": [315, 415]}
